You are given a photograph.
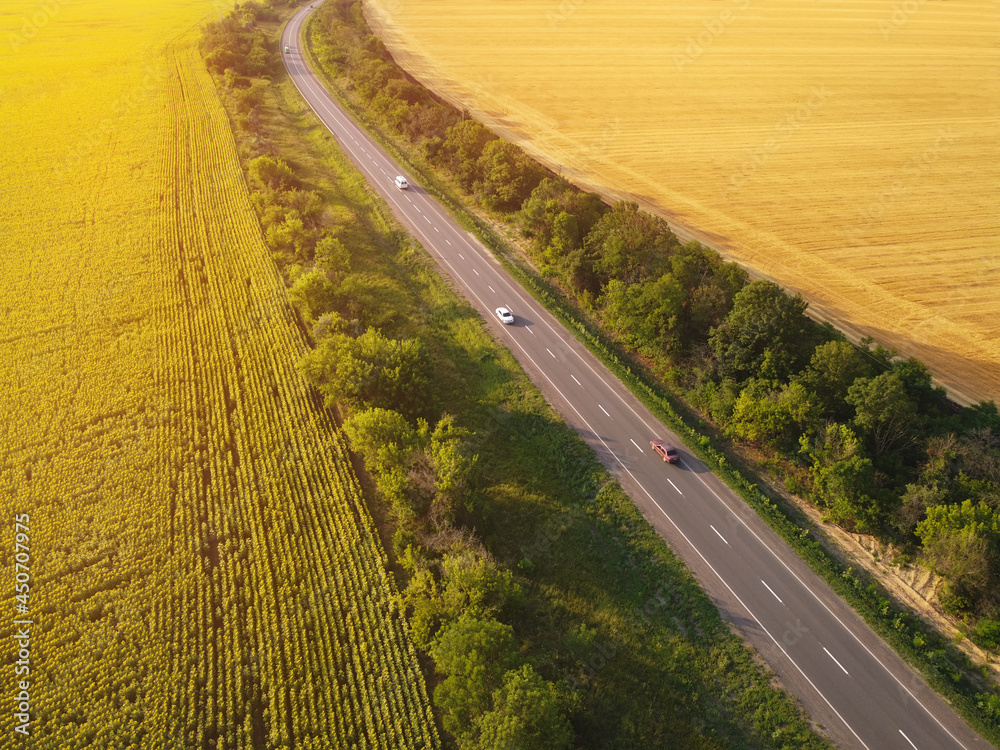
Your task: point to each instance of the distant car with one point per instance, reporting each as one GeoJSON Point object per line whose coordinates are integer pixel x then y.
{"type": "Point", "coordinates": [669, 453]}
{"type": "Point", "coordinates": [505, 315]}
{"type": "Point", "coordinates": [401, 183]}
{"type": "Point", "coordinates": [287, 49]}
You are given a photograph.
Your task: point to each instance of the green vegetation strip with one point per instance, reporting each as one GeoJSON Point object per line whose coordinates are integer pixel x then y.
{"type": "Point", "coordinates": [601, 626]}
{"type": "Point", "coordinates": [946, 668]}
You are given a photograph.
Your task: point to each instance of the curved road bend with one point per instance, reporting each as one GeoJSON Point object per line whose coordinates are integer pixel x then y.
{"type": "Point", "coordinates": [848, 679]}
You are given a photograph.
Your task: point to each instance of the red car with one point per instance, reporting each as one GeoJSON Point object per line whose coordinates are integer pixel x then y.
{"type": "Point", "coordinates": [669, 453]}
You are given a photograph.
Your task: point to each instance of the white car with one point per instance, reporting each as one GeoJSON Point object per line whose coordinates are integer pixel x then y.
{"type": "Point", "coordinates": [401, 183]}
{"type": "Point", "coordinates": [505, 315]}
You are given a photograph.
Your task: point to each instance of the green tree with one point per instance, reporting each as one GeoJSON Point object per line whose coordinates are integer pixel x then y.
{"type": "Point", "coordinates": [884, 413]}
{"type": "Point", "coordinates": [710, 286]}
{"type": "Point", "coordinates": [328, 324]}
{"type": "Point", "coordinates": [473, 654]}
{"type": "Point", "coordinates": [295, 213]}
{"type": "Point", "coordinates": [461, 150]}
{"type": "Point", "coordinates": [221, 59]}
{"type": "Point", "coordinates": [916, 378]}
{"type": "Point", "coordinates": [766, 334]}
{"type": "Point", "coordinates": [260, 61]}
{"type": "Point", "coordinates": [453, 463]}
{"type": "Point", "coordinates": [250, 97]}
{"type": "Point", "coordinates": [423, 603]}
{"type": "Point", "coordinates": [506, 176]}
{"type": "Point", "coordinates": [332, 259]}
{"type": "Point", "coordinates": [527, 714]}
{"type": "Point", "coordinates": [961, 543]}
{"type": "Point", "coordinates": [556, 217]}
{"type": "Point", "coordinates": [430, 121]}
{"type": "Point", "coordinates": [578, 272]}
{"type": "Point", "coordinates": [957, 468]}
{"type": "Point", "coordinates": [475, 584]}
{"type": "Point", "coordinates": [629, 244]}
{"type": "Point", "coordinates": [565, 236]}
{"type": "Point", "coordinates": [981, 416]}
{"type": "Point", "coordinates": [844, 479]}
{"type": "Point", "coordinates": [915, 501]}
{"type": "Point", "coordinates": [272, 174]}
{"type": "Point", "coordinates": [832, 370]}
{"type": "Point", "coordinates": [645, 315]}
{"type": "Point", "coordinates": [292, 237]}
{"type": "Point", "coordinates": [381, 437]}
{"type": "Point", "coordinates": [313, 294]}
{"type": "Point", "coordinates": [390, 447]}
{"type": "Point", "coordinates": [772, 415]}
{"type": "Point", "coordinates": [372, 370]}
{"type": "Point", "coordinates": [371, 76]}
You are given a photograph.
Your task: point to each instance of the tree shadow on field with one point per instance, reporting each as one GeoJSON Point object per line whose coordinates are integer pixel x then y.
{"type": "Point", "coordinates": [969, 379]}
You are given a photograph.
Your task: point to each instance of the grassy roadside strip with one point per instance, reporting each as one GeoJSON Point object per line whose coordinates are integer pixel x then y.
{"type": "Point", "coordinates": [944, 667]}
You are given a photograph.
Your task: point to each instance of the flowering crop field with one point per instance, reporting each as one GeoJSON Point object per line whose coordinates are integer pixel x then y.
{"type": "Point", "coordinates": [845, 150]}
{"type": "Point", "coordinates": [187, 561]}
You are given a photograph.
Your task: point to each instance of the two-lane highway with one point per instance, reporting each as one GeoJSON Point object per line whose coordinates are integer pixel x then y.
{"type": "Point", "coordinates": [850, 682]}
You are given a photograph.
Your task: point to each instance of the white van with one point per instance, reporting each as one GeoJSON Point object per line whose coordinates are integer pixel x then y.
{"type": "Point", "coordinates": [401, 183]}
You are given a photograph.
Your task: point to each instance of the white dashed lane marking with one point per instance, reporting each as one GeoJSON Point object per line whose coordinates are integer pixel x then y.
{"type": "Point", "coordinates": [772, 591]}
{"type": "Point", "coordinates": [836, 662]}
{"type": "Point", "coordinates": [720, 535]}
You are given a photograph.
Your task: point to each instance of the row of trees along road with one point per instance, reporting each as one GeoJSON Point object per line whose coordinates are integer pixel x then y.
{"type": "Point", "coordinates": [858, 430]}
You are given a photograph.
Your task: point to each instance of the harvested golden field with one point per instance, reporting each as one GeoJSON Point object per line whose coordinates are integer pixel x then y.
{"type": "Point", "coordinates": [187, 559]}
{"type": "Point", "coordinates": [848, 151]}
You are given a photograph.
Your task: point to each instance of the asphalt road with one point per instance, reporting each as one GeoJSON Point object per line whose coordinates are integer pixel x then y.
{"type": "Point", "coordinates": [851, 683]}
